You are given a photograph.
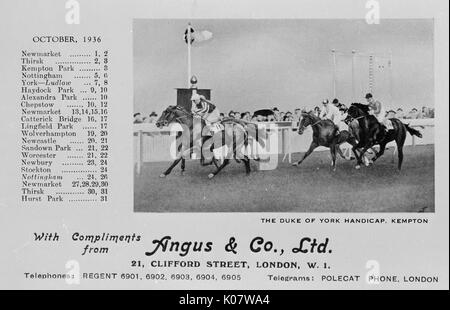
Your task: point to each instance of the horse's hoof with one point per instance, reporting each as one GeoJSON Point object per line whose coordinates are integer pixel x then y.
{"type": "Point", "coordinates": [162, 175]}
{"type": "Point", "coordinates": [295, 165]}
{"type": "Point", "coordinates": [211, 175]}
{"type": "Point", "coordinates": [358, 167]}
{"type": "Point", "coordinates": [182, 173]}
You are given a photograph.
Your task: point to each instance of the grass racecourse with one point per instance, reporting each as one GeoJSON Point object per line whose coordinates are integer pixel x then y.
{"type": "Point", "coordinates": [312, 187]}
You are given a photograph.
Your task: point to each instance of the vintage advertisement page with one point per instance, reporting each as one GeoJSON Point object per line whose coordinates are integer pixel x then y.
{"type": "Point", "coordinates": [224, 145]}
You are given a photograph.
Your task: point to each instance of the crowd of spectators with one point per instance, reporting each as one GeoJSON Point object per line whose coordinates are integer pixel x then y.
{"type": "Point", "coordinates": [275, 115]}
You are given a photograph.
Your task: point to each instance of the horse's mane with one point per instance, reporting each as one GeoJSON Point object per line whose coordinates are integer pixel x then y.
{"type": "Point", "coordinates": [311, 115]}
{"type": "Point", "coordinates": [363, 107]}
{"type": "Point", "coordinates": [180, 108]}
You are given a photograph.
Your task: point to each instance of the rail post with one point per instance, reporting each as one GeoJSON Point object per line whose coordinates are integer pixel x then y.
{"type": "Point", "coordinates": [140, 152]}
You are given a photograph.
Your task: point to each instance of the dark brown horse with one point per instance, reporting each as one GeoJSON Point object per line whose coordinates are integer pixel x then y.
{"type": "Point", "coordinates": [235, 136]}
{"type": "Point", "coordinates": [372, 133]}
{"type": "Point", "coordinates": [325, 133]}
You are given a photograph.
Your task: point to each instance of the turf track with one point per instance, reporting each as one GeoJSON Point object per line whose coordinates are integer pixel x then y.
{"type": "Point", "coordinates": [312, 187]}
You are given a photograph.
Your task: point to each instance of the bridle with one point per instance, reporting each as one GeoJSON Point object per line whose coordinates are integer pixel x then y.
{"type": "Point", "coordinates": [316, 123]}
{"type": "Point", "coordinates": [178, 118]}
{"type": "Point", "coordinates": [357, 118]}
{"type": "Point", "coordinates": [312, 125]}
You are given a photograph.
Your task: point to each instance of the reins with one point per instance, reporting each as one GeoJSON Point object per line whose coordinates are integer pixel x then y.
{"type": "Point", "coordinates": [312, 125]}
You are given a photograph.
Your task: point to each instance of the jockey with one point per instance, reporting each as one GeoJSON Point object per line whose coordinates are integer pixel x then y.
{"type": "Point", "coordinates": [331, 112]}
{"type": "Point", "coordinates": [207, 111]}
{"type": "Point", "coordinates": [377, 110]}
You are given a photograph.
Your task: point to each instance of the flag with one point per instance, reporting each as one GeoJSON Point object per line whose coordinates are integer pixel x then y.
{"type": "Point", "coordinates": [197, 36]}
{"type": "Point", "coordinates": [203, 35]}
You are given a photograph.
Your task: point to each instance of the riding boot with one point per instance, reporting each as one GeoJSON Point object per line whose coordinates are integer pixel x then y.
{"type": "Point", "coordinates": [219, 148]}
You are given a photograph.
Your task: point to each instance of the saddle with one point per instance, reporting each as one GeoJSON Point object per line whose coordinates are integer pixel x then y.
{"type": "Point", "coordinates": [220, 126]}
{"type": "Point", "coordinates": [212, 129]}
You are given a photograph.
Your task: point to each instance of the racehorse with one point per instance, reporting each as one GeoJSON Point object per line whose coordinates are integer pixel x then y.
{"type": "Point", "coordinates": [371, 133]}
{"type": "Point", "coordinates": [353, 128]}
{"type": "Point", "coordinates": [236, 134]}
{"type": "Point", "coordinates": [324, 134]}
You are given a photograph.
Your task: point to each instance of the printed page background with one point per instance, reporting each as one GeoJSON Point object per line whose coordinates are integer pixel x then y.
{"type": "Point", "coordinates": [399, 249]}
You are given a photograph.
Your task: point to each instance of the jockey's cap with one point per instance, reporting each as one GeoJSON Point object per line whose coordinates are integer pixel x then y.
{"type": "Point", "coordinates": [195, 97]}
{"type": "Point", "coordinates": [369, 95]}
{"type": "Point", "coordinates": [325, 101]}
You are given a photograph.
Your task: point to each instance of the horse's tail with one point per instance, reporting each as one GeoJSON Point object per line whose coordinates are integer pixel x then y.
{"type": "Point", "coordinates": [413, 132]}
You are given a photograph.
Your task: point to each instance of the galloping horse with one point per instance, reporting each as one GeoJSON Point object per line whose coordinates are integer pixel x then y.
{"type": "Point", "coordinates": [236, 136]}
{"type": "Point", "coordinates": [371, 132]}
{"type": "Point", "coordinates": [324, 134]}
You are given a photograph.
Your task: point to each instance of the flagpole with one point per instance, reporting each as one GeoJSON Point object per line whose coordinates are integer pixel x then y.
{"type": "Point", "coordinates": [189, 54]}
{"type": "Point", "coordinates": [333, 51]}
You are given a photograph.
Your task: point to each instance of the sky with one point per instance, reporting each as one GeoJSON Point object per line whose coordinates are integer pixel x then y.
{"type": "Point", "coordinates": [255, 63]}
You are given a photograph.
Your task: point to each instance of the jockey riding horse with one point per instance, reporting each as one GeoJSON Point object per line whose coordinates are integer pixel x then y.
{"type": "Point", "coordinates": [207, 111]}
{"type": "Point", "coordinates": [233, 133]}
{"type": "Point", "coordinates": [372, 132]}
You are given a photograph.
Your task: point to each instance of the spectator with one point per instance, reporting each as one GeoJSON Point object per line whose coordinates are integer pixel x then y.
{"type": "Point", "coordinates": [270, 118]}
{"type": "Point", "coordinates": [265, 115]}
{"type": "Point", "coordinates": [288, 117]}
{"type": "Point", "coordinates": [391, 114]}
{"type": "Point", "coordinates": [138, 118]}
{"type": "Point", "coordinates": [413, 114]}
{"type": "Point", "coordinates": [151, 119]}
{"type": "Point", "coordinates": [245, 117]}
{"type": "Point", "coordinates": [317, 111]}
{"type": "Point", "coordinates": [260, 118]}
{"type": "Point", "coordinates": [276, 113]}
{"type": "Point", "coordinates": [297, 115]}
{"type": "Point", "coordinates": [427, 112]}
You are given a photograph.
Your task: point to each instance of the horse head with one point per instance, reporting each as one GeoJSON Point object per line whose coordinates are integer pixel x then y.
{"type": "Point", "coordinates": [357, 110]}
{"type": "Point", "coordinates": [307, 119]}
{"type": "Point", "coordinates": [170, 115]}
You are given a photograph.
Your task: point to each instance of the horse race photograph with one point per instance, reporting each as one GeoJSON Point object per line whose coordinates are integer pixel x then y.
{"type": "Point", "coordinates": [283, 115]}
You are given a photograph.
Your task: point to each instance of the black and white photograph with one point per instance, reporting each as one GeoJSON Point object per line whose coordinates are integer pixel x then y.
{"type": "Point", "coordinates": [283, 115]}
